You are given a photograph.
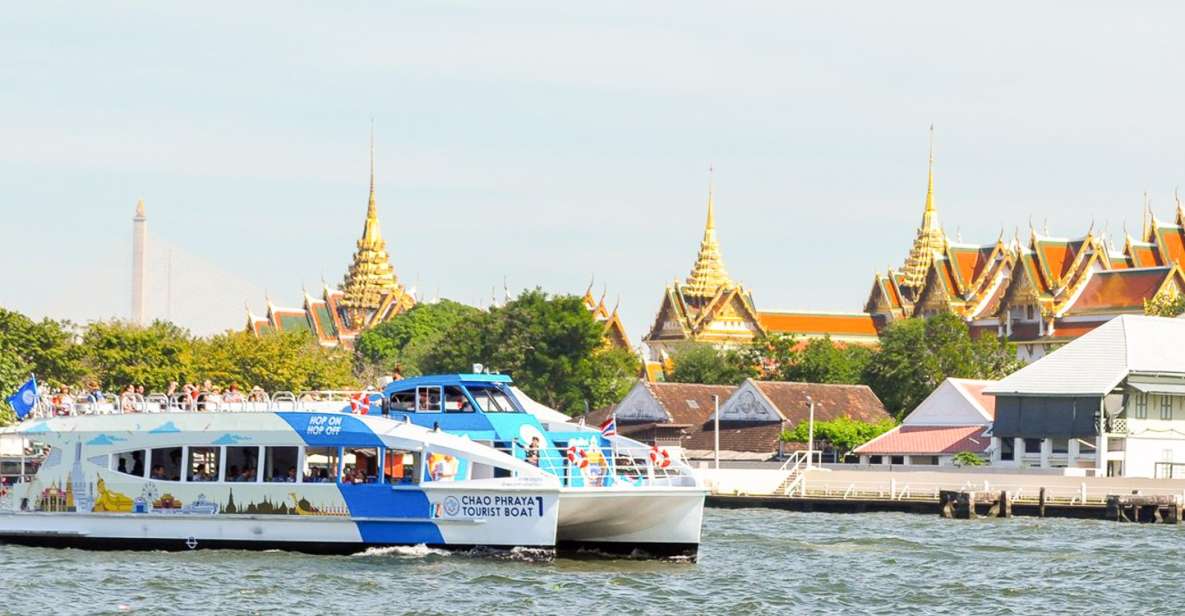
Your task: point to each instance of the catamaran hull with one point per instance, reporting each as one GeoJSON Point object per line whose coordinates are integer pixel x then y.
{"type": "Point", "coordinates": [297, 533]}
{"type": "Point", "coordinates": [634, 521]}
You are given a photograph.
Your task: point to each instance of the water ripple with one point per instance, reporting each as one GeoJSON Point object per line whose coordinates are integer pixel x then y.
{"type": "Point", "coordinates": [752, 561]}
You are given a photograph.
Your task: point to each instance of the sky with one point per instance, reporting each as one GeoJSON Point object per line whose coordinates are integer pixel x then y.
{"type": "Point", "coordinates": [546, 143]}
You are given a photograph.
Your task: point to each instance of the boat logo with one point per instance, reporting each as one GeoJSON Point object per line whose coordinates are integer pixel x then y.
{"type": "Point", "coordinates": [452, 506]}
{"type": "Point", "coordinates": [27, 397]}
{"type": "Point", "coordinates": [191, 542]}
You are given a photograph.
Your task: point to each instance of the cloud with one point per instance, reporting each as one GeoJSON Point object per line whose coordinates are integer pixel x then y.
{"type": "Point", "coordinates": [104, 439]}
{"type": "Point", "coordinates": [166, 428]}
{"type": "Point", "coordinates": [231, 439]}
{"type": "Point", "coordinates": [38, 428]}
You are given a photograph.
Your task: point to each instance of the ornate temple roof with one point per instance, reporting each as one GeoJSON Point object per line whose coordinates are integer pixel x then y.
{"type": "Point", "coordinates": [370, 278]}
{"type": "Point", "coordinates": [708, 274]}
{"type": "Point", "coordinates": [930, 237]}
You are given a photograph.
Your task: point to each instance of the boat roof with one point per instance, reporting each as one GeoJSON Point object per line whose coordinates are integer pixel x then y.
{"type": "Point", "coordinates": [449, 379]}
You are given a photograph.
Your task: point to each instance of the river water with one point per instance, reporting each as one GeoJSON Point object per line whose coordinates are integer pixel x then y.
{"type": "Point", "coordinates": [751, 561]}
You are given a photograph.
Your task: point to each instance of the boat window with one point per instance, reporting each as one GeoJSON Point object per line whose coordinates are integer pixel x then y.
{"type": "Point", "coordinates": [242, 464]}
{"type": "Point", "coordinates": [281, 464]}
{"type": "Point", "coordinates": [403, 401]}
{"type": "Point", "coordinates": [203, 464]}
{"type": "Point", "coordinates": [129, 462]}
{"type": "Point", "coordinates": [320, 464]}
{"type": "Point", "coordinates": [165, 464]}
{"type": "Point", "coordinates": [444, 467]}
{"type": "Point", "coordinates": [455, 400]}
{"type": "Point", "coordinates": [428, 399]}
{"type": "Point", "coordinates": [492, 399]}
{"type": "Point", "coordinates": [360, 465]}
{"type": "Point", "coordinates": [400, 467]}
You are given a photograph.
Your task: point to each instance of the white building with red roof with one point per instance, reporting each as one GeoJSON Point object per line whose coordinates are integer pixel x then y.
{"type": "Point", "coordinates": [954, 418]}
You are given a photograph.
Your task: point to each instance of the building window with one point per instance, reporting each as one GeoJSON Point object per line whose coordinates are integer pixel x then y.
{"type": "Point", "coordinates": [1166, 407]}
{"type": "Point", "coordinates": [1141, 406]}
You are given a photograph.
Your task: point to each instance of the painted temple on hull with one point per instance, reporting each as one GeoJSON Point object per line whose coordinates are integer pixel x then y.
{"type": "Point", "coordinates": [370, 293]}
{"type": "Point", "coordinates": [1038, 291]}
{"type": "Point", "coordinates": [710, 307]}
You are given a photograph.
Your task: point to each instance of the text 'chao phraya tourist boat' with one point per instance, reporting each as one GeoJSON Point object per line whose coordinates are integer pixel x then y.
{"type": "Point", "coordinates": [452, 461]}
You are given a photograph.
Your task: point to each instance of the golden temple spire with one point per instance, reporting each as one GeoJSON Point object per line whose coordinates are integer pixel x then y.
{"type": "Point", "coordinates": [930, 175]}
{"type": "Point", "coordinates": [370, 277]}
{"type": "Point", "coordinates": [708, 273]}
{"type": "Point", "coordinates": [930, 237]}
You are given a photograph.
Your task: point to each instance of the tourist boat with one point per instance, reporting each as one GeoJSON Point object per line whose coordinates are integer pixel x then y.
{"type": "Point", "coordinates": [617, 495]}
{"type": "Point", "coordinates": [305, 480]}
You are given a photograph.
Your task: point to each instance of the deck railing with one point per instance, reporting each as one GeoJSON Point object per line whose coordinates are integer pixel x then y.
{"type": "Point", "coordinates": [50, 405]}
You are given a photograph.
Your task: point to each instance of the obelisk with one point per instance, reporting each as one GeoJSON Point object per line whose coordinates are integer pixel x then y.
{"type": "Point", "coordinates": [139, 237]}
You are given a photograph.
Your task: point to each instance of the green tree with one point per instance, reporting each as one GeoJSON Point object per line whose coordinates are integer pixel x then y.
{"type": "Point", "coordinates": [118, 353]}
{"type": "Point", "coordinates": [967, 458]}
{"type": "Point", "coordinates": [407, 338]}
{"type": "Point", "coordinates": [45, 348]}
{"type": "Point", "coordinates": [842, 433]}
{"type": "Point", "coordinates": [823, 361]}
{"type": "Point", "coordinates": [916, 355]}
{"type": "Point", "coordinates": [552, 346]}
{"type": "Point", "coordinates": [704, 363]}
{"type": "Point", "coordinates": [288, 361]}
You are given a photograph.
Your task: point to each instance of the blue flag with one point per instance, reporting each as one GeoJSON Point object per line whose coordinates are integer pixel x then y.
{"type": "Point", "coordinates": [24, 399]}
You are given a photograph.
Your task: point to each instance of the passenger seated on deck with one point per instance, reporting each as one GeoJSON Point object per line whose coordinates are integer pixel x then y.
{"type": "Point", "coordinates": [158, 472]}
{"type": "Point", "coordinates": [323, 476]}
{"type": "Point", "coordinates": [201, 474]}
{"type": "Point", "coordinates": [233, 473]}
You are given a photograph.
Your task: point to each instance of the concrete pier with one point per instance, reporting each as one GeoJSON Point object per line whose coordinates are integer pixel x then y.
{"type": "Point", "coordinates": [962, 495]}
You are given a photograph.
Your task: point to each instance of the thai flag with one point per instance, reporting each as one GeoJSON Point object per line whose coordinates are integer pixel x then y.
{"type": "Point", "coordinates": [609, 428]}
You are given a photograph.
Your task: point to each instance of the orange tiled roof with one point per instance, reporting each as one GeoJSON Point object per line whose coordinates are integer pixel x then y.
{"type": "Point", "coordinates": [1171, 244]}
{"type": "Point", "coordinates": [1142, 254]}
{"type": "Point", "coordinates": [1119, 290]}
{"type": "Point", "coordinates": [818, 323]}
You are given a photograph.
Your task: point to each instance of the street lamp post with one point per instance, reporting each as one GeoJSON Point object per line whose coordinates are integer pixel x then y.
{"type": "Point", "coordinates": [810, 439]}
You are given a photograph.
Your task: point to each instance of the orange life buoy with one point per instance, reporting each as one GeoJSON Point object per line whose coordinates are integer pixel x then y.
{"type": "Point", "coordinates": [660, 457]}
{"type": "Point", "coordinates": [577, 456]}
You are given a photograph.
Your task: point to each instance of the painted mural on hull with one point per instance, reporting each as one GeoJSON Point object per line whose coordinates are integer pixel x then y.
{"type": "Point", "coordinates": [274, 466]}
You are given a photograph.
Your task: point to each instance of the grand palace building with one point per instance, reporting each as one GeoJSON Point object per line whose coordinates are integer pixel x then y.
{"type": "Point", "coordinates": [1038, 291]}
{"type": "Point", "coordinates": [371, 294]}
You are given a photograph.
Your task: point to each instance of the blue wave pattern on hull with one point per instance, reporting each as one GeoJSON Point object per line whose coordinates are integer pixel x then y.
{"type": "Point", "coordinates": [369, 500]}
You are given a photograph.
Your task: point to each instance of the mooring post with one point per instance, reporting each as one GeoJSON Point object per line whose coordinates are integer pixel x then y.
{"type": "Point", "coordinates": [946, 505]}
{"type": "Point", "coordinates": [1041, 502]}
{"type": "Point", "coordinates": [1005, 504]}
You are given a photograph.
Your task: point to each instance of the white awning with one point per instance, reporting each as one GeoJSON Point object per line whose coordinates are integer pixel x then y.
{"type": "Point", "coordinates": [1172, 389]}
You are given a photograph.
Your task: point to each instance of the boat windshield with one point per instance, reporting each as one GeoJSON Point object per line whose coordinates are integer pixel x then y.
{"type": "Point", "coordinates": [491, 399]}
